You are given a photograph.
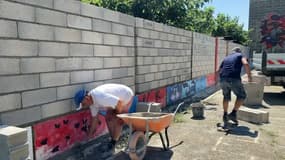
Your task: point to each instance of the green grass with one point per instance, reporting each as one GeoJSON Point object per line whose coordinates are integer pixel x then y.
{"type": "Point", "coordinates": [179, 118]}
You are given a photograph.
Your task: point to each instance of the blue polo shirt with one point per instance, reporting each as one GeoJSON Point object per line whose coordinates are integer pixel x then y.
{"type": "Point", "coordinates": [231, 66]}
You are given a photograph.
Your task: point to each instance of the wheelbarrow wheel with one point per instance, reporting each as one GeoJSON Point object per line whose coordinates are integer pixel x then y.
{"type": "Point", "coordinates": [137, 146]}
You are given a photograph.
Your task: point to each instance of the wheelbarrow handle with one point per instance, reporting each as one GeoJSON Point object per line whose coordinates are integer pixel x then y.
{"type": "Point", "coordinates": [179, 105]}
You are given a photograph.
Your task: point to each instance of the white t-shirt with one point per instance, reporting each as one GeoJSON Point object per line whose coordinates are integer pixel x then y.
{"type": "Point", "coordinates": [108, 95]}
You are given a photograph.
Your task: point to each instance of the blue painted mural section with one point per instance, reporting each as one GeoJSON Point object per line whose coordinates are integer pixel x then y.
{"type": "Point", "coordinates": [188, 89]}
{"type": "Point", "coordinates": [200, 84]}
{"type": "Point", "coordinates": [174, 93]}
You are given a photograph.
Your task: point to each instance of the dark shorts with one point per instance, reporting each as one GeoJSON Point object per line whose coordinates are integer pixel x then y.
{"type": "Point", "coordinates": [234, 85]}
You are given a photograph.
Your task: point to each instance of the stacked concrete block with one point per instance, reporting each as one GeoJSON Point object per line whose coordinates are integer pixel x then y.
{"type": "Point", "coordinates": [253, 115]}
{"type": "Point", "coordinates": [203, 55]}
{"type": "Point", "coordinates": [163, 55]}
{"type": "Point", "coordinates": [13, 142]}
{"type": "Point", "coordinates": [254, 93]}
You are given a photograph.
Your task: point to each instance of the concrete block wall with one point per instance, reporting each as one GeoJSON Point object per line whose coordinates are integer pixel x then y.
{"type": "Point", "coordinates": [259, 11]}
{"type": "Point", "coordinates": [49, 49]}
{"type": "Point", "coordinates": [163, 55]}
{"type": "Point", "coordinates": [203, 55]}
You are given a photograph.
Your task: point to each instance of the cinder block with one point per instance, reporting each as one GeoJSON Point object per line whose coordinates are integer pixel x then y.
{"type": "Point", "coordinates": [12, 48]}
{"type": "Point", "coordinates": [253, 115]}
{"type": "Point", "coordinates": [111, 62]}
{"type": "Point", "coordinates": [102, 51]}
{"type": "Point", "coordinates": [111, 15]}
{"type": "Point", "coordinates": [67, 35]}
{"type": "Point", "coordinates": [102, 26]}
{"type": "Point", "coordinates": [11, 136]}
{"type": "Point", "coordinates": [81, 50]}
{"type": "Point", "coordinates": [40, 96]}
{"type": "Point", "coordinates": [56, 108]}
{"type": "Point", "coordinates": [35, 65]}
{"type": "Point", "coordinates": [127, 41]}
{"type": "Point", "coordinates": [54, 79]}
{"type": "Point", "coordinates": [18, 83]}
{"type": "Point", "coordinates": [127, 61]}
{"type": "Point", "coordinates": [127, 19]}
{"type": "Point", "coordinates": [143, 87]}
{"type": "Point", "coordinates": [110, 39]}
{"type": "Point", "coordinates": [81, 76]}
{"type": "Point", "coordinates": [35, 31]}
{"type": "Point", "coordinates": [79, 22]}
{"type": "Point", "coordinates": [19, 153]}
{"type": "Point", "coordinates": [24, 12]}
{"type": "Point", "coordinates": [20, 117]}
{"type": "Point", "coordinates": [51, 49]}
{"type": "Point", "coordinates": [68, 64]}
{"type": "Point", "coordinates": [46, 16]}
{"type": "Point", "coordinates": [68, 6]}
{"type": "Point", "coordinates": [92, 63]}
{"type": "Point", "coordinates": [43, 3]}
{"type": "Point", "coordinates": [119, 29]}
{"type": "Point", "coordinates": [254, 93]}
{"type": "Point", "coordinates": [103, 74]}
{"type": "Point", "coordinates": [92, 37]}
{"type": "Point", "coordinates": [10, 102]}
{"type": "Point", "coordinates": [91, 11]}
{"type": "Point", "coordinates": [144, 107]}
{"type": "Point", "coordinates": [8, 28]}
{"type": "Point", "coordinates": [119, 73]}
{"type": "Point", "coordinates": [9, 66]}
{"type": "Point", "coordinates": [67, 91]}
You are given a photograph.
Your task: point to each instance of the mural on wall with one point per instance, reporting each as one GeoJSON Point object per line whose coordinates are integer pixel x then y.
{"type": "Point", "coordinates": [211, 79]}
{"type": "Point", "coordinates": [273, 30]}
{"type": "Point", "coordinates": [158, 95]}
{"type": "Point", "coordinates": [200, 84]}
{"type": "Point", "coordinates": [188, 88]}
{"type": "Point", "coordinates": [174, 93]}
{"type": "Point", "coordinates": [54, 136]}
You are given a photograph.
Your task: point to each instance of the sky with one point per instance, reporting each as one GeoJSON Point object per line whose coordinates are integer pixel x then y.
{"type": "Point", "coordinates": [233, 8]}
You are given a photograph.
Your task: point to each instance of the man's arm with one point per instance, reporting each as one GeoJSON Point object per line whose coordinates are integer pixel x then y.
{"type": "Point", "coordinates": [93, 125]}
{"type": "Point", "coordinates": [247, 68]}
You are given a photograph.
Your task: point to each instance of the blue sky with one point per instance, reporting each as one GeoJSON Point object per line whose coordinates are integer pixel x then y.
{"type": "Point", "coordinates": [233, 8]}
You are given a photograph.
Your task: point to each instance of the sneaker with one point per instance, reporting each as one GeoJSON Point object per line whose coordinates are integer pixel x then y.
{"type": "Point", "coordinates": [233, 117]}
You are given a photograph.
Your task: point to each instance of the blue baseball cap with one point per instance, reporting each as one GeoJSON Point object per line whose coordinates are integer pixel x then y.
{"type": "Point", "coordinates": [79, 96]}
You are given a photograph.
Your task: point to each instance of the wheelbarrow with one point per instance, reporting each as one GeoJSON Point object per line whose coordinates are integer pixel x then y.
{"type": "Point", "coordinates": [142, 126]}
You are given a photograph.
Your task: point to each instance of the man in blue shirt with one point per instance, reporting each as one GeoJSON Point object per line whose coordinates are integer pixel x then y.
{"type": "Point", "coordinates": [230, 80]}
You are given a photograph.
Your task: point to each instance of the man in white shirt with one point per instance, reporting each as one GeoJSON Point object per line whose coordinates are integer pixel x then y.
{"type": "Point", "coordinates": [114, 98]}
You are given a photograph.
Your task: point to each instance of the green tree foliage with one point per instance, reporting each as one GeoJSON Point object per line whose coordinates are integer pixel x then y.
{"type": "Point", "coordinates": [186, 14]}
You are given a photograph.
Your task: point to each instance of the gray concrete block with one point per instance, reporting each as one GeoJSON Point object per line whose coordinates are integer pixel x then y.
{"type": "Point", "coordinates": [101, 25]}
{"type": "Point", "coordinates": [143, 69]}
{"type": "Point", "coordinates": [54, 79]}
{"type": "Point", "coordinates": [35, 31]}
{"type": "Point", "coordinates": [46, 16]}
{"type": "Point", "coordinates": [111, 62]}
{"type": "Point", "coordinates": [92, 63]}
{"type": "Point", "coordinates": [67, 91]}
{"type": "Point", "coordinates": [8, 28]}
{"type": "Point", "coordinates": [20, 152]}
{"type": "Point", "coordinates": [18, 83]}
{"type": "Point", "coordinates": [111, 39]}
{"type": "Point", "coordinates": [103, 74]}
{"type": "Point", "coordinates": [119, 29]}
{"type": "Point", "coordinates": [91, 11]}
{"type": "Point", "coordinates": [119, 73]}
{"type": "Point", "coordinates": [139, 22]}
{"type": "Point", "coordinates": [12, 48]}
{"type": "Point", "coordinates": [68, 6]}
{"type": "Point", "coordinates": [81, 76]}
{"type": "Point", "coordinates": [127, 61]}
{"type": "Point", "coordinates": [102, 51]}
{"type": "Point", "coordinates": [56, 108]}
{"type": "Point", "coordinates": [254, 93]}
{"type": "Point", "coordinates": [128, 81]}
{"type": "Point", "coordinates": [21, 117]}
{"type": "Point", "coordinates": [131, 71]}
{"type": "Point", "coordinates": [35, 65]}
{"type": "Point", "coordinates": [11, 137]}
{"type": "Point", "coordinates": [9, 66]}
{"type": "Point", "coordinates": [81, 50]}
{"type": "Point", "coordinates": [68, 64]}
{"type": "Point", "coordinates": [111, 15]}
{"type": "Point", "coordinates": [126, 19]}
{"type": "Point", "coordinates": [148, 106]}
{"type": "Point", "coordinates": [10, 102]}
{"type": "Point", "coordinates": [253, 115]}
{"type": "Point", "coordinates": [79, 22]}
{"type": "Point", "coordinates": [92, 37]}
{"type": "Point", "coordinates": [120, 51]}
{"type": "Point", "coordinates": [142, 87]}
{"type": "Point", "coordinates": [43, 3]}
{"type": "Point", "coordinates": [24, 12]}
{"type": "Point", "coordinates": [127, 41]}
{"type": "Point", "coordinates": [37, 97]}
{"type": "Point", "coordinates": [67, 35]}
{"type": "Point", "coordinates": [52, 49]}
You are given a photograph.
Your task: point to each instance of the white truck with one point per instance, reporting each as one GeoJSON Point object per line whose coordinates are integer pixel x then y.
{"type": "Point", "coordinates": [271, 65]}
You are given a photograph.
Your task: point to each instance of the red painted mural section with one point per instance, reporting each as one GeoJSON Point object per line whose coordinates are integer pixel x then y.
{"type": "Point", "coordinates": [211, 79]}
{"type": "Point", "coordinates": [158, 96]}
{"type": "Point", "coordinates": [57, 135]}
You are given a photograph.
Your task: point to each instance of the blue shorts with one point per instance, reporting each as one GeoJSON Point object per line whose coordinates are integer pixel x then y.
{"type": "Point", "coordinates": [235, 85]}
